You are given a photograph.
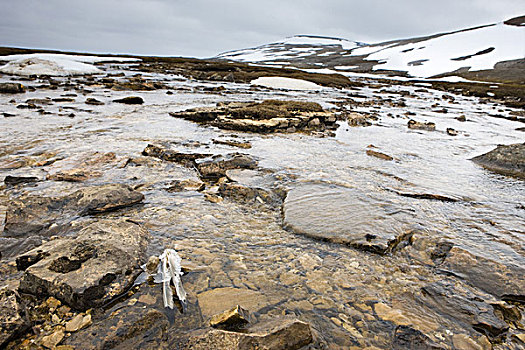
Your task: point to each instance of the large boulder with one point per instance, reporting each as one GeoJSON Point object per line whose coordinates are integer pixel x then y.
{"type": "Point", "coordinates": [29, 215]}
{"type": "Point", "coordinates": [504, 159]}
{"type": "Point", "coordinates": [100, 263]}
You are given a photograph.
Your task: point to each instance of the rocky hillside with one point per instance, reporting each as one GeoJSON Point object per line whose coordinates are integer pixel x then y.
{"type": "Point", "coordinates": [490, 52]}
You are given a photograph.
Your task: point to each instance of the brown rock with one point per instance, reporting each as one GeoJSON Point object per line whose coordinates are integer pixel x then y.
{"type": "Point", "coordinates": [274, 334]}
{"type": "Point", "coordinates": [232, 319]}
{"type": "Point", "coordinates": [217, 300]}
{"type": "Point", "coordinates": [130, 100]}
{"type": "Point", "coordinates": [52, 340]}
{"type": "Point", "coordinates": [78, 322]}
{"type": "Point", "coordinates": [379, 155]}
{"type": "Point", "coordinates": [429, 126]}
{"type": "Point", "coordinates": [11, 88]}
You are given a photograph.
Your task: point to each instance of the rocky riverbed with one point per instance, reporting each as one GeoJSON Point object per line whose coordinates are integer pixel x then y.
{"type": "Point", "coordinates": [351, 217]}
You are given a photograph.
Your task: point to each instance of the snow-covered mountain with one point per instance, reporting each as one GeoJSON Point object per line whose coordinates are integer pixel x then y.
{"type": "Point", "coordinates": [494, 51]}
{"type": "Point", "coordinates": [294, 49]}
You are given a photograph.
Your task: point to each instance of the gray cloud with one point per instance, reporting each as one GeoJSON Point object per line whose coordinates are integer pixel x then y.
{"type": "Point", "coordinates": [203, 28]}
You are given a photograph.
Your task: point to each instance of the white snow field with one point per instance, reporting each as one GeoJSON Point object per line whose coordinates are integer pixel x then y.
{"type": "Point", "coordinates": [450, 52]}
{"type": "Point", "coordinates": [285, 83]}
{"type": "Point", "coordinates": [55, 64]}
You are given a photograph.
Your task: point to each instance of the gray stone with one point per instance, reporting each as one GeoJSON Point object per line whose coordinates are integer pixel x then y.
{"type": "Point", "coordinates": [505, 281]}
{"type": "Point", "coordinates": [12, 316]}
{"type": "Point", "coordinates": [346, 216]}
{"type": "Point", "coordinates": [99, 264]}
{"type": "Point", "coordinates": [273, 334]}
{"type": "Point", "coordinates": [504, 159]}
{"type": "Point", "coordinates": [34, 215]}
{"type": "Point", "coordinates": [216, 166]}
{"type": "Point", "coordinates": [465, 305]}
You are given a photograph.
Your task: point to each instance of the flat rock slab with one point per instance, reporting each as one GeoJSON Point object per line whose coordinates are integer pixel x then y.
{"type": "Point", "coordinates": [504, 281]}
{"type": "Point", "coordinates": [504, 159]}
{"type": "Point", "coordinates": [465, 305]}
{"type": "Point", "coordinates": [30, 215]}
{"type": "Point", "coordinates": [346, 216]}
{"type": "Point", "coordinates": [273, 334]}
{"type": "Point", "coordinates": [100, 263]}
{"type": "Point", "coordinates": [218, 300]}
{"type": "Point", "coordinates": [12, 319]}
{"type": "Point", "coordinates": [264, 117]}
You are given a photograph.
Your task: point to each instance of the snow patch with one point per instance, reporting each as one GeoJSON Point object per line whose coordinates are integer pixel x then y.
{"type": "Point", "coordinates": [285, 83]}
{"type": "Point", "coordinates": [478, 49]}
{"type": "Point", "coordinates": [55, 64]}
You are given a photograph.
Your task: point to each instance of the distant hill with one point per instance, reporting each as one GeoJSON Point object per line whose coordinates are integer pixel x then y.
{"type": "Point", "coordinates": [493, 52]}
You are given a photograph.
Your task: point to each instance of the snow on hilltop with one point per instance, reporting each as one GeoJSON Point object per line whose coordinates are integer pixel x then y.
{"type": "Point", "coordinates": [55, 64]}
{"type": "Point", "coordinates": [296, 47]}
{"type": "Point", "coordinates": [464, 52]}
{"type": "Point", "coordinates": [478, 49]}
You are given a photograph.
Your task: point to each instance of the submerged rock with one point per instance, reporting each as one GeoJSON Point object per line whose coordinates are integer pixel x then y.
{"type": "Point", "coordinates": [233, 319]}
{"type": "Point", "coordinates": [346, 216]}
{"type": "Point", "coordinates": [99, 264]}
{"type": "Point", "coordinates": [246, 194]}
{"type": "Point", "coordinates": [464, 305]}
{"type": "Point", "coordinates": [504, 159]}
{"type": "Point", "coordinates": [273, 334]}
{"type": "Point", "coordinates": [12, 316]}
{"type": "Point", "coordinates": [34, 215]}
{"type": "Point", "coordinates": [264, 117]}
{"type": "Point", "coordinates": [505, 281]}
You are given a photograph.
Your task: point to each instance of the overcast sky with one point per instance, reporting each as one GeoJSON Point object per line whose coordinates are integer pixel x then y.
{"type": "Point", "coordinates": [204, 28]}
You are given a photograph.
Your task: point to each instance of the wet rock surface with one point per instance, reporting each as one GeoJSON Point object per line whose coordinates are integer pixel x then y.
{"type": "Point", "coordinates": [505, 159]}
{"type": "Point", "coordinates": [99, 264]}
{"type": "Point", "coordinates": [34, 215]}
{"type": "Point", "coordinates": [265, 117]}
{"type": "Point", "coordinates": [13, 320]}
{"type": "Point", "coordinates": [279, 334]}
{"type": "Point", "coordinates": [505, 281]}
{"type": "Point", "coordinates": [325, 212]}
{"type": "Point", "coordinates": [424, 251]}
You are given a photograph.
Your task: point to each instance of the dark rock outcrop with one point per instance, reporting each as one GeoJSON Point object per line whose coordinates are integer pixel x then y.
{"type": "Point", "coordinates": [504, 159]}
{"type": "Point", "coordinates": [11, 88]}
{"type": "Point", "coordinates": [429, 126]}
{"type": "Point", "coordinates": [34, 215]}
{"type": "Point", "coordinates": [130, 100]}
